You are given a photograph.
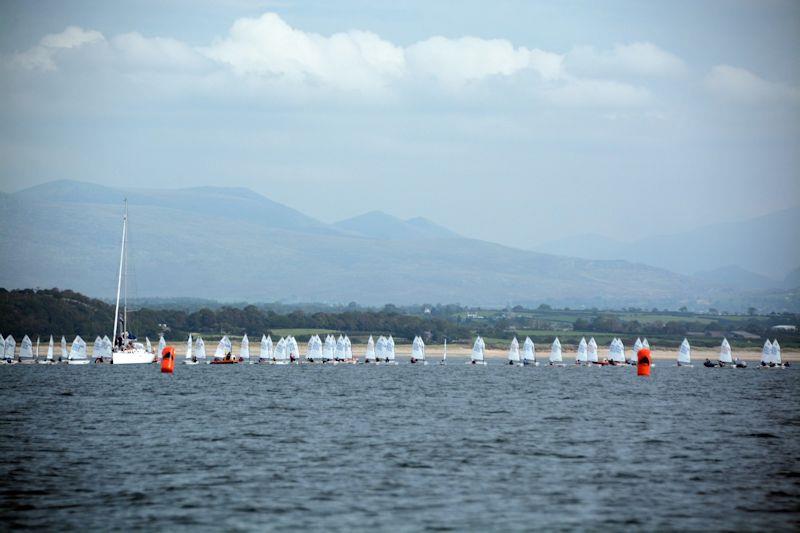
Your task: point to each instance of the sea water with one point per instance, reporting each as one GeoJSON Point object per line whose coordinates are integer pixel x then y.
{"type": "Point", "coordinates": [398, 448]}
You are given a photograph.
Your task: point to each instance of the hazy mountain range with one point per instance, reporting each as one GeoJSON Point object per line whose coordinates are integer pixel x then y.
{"type": "Point", "coordinates": [755, 253]}
{"type": "Point", "coordinates": [234, 244]}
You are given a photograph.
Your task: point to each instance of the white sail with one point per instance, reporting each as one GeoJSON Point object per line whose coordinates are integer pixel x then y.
{"type": "Point", "coordinates": [775, 353]}
{"type": "Point", "coordinates": [10, 348]}
{"type": "Point", "coordinates": [189, 343]}
{"type": "Point", "coordinates": [26, 349]}
{"type": "Point", "coordinates": [97, 348]}
{"type": "Point", "coordinates": [348, 349]}
{"type": "Point", "coordinates": [339, 353]}
{"type": "Point", "coordinates": [528, 350]}
{"type": "Point", "coordinates": [107, 347]}
{"type": "Point", "coordinates": [281, 352]}
{"type": "Point", "coordinates": [2, 346]}
{"type": "Point", "coordinates": [369, 355]}
{"type": "Point", "coordinates": [477, 349]}
{"type": "Point", "coordinates": [636, 347]}
{"type": "Point", "coordinates": [200, 349]}
{"type": "Point", "coordinates": [223, 347]}
{"type": "Point", "coordinates": [78, 349]}
{"type": "Point", "coordinates": [645, 344]}
{"type": "Point", "coordinates": [292, 349]}
{"type": "Point", "coordinates": [513, 351]}
{"type": "Point", "coordinates": [148, 345]}
{"type": "Point", "coordinates": [265, 352]}
{"type": "Point", "coordinates": [555, 351]}
{"type": "Point", "coordinates": [161, 345]}
{"type": "Point", "coordinates": [766, 352]}
{"type": "Point", "coordinates": [619, 351]}
{"type": "Point", "coordinates": [64, 352]}
{"type": "Point", "coordinates": [380, 348]}
{"type": "Point", "coordinates": [244, 349]}
{"type": "Point", "coordinates": [390, 348]}
{"type": "Point", "coordinates": [583, 351]}
{"type": "Point", "coordinates": [685, 353]}
{"type": "Point", "coordinates": [314, 348]}
{"type": "Point", "coordinates": [725, 352]}
{"type": "Point", "coordinates": [330, 348]}
{"type": "Point", "coordinates": [50, 349]}
{"type": "Point", "coordinates": [418, 349]}
{"type": "Point", "coordinates": [591, 351]}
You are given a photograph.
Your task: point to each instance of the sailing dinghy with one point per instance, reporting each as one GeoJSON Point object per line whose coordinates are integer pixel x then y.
{"type": "Point", "coordinates": [314, 350]}
{"type": "Point", "coordinates": [77, 353]}
{"type": "Point", "coordinates": [244, 349]}
{"type": "Point", "coordinates": [199, 351]}
{"type": "Point", "coordinates": [591, 352]}
{"type": "Point", "coordinates": [513, 352]}
{"type": "Point", "coordinates": [444, 354]}
{"type": "Point", "coordinates": [26, 351]}
{"type": "Point", "coordinates": [634, 359]}
{"type": "Point", "coordinates": [725, 356]}
{"type": "Point", "coordinates": [49, 358]}
{"type": "Point", "coordinates": [190, 358]}
{"type": "Point", "coordinates": [529, 353]}
{"type": "Point", "coordinates": [390, 355]}
{"type": "Point", "coordinates": [9, 350]}
{"type": "Point", "coordinates": [582, 357]}
{"type": "Point", "coordinates": [418, 351]}
{"type": "Point", "coordinates": [770, 355]}
{"type": "Point", "coordinates": [476, 357]}
{"type": "Point", "coordinates": [97, 349]}
{"type": "Point", "coordinates": [223, 355]}
{"type": "Point", "coordinates": [685, 354]}
{"type": "Point", "coordinates": [369, 355]}
{"type": "Point", "coordinates": [555, 353]}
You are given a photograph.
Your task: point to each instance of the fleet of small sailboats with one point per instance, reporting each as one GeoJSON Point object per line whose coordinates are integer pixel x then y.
{"type": "Point", "coordinates": [339, 350]}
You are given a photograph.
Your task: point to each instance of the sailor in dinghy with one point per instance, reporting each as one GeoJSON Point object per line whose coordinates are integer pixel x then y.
{"type": "Point", "coordinates": [477, 356]}
{"type": "Point", "coordinates": [190, 358]}
{"type": "Point", "coordinates": [77, 352]}
{"type": "Point", "coordinates": [582, 357]}
{"type": "Point", "coordinates": [26, 351]}
{"type": "Point", "coordinates": [369, 355]}
{"type": "Point", "coordinates": [513, 353]}
{"type": "Point", "coordinates": [418, 351]}
{"type": "Point", "coordinates": [223, 355]}
{"type": "Point", "coordinates": [555, 353]}
{"type": "Point", "coordinates": [266, 352]}
{"type": "Point", "coordinates": [9, 350]}
{"type": "Point", "coordinates": [684, 354]}
{"type": "Point", "coordinates": [444, 354]}
{"type": "Point", "coordinates": [49, 358]}
{"type": "Point", "coordinates": [529, 353]}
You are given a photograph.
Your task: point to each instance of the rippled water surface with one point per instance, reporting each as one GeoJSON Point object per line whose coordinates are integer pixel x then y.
{"type": "Point", "coordinates": [399, 448]}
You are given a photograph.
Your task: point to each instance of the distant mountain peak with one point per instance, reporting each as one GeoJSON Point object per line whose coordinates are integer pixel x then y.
{"type": "Point", "coordinates": [383, 226]}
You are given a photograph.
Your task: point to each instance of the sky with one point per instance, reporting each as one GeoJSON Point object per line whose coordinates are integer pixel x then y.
{"type": "Point", "coordinates": [512, 121]}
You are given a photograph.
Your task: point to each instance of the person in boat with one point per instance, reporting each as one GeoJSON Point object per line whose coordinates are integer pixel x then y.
{"type": "Point", "coordinates": [118, 342]}
{"type": "Point", "coordinates": [194, 358]}
{"type": "Point", "coordinates": [413, 360]}
{"type": "Point", "coordinates": [474, 362]}
{"type": "Point", "coordinates": [708, 363]}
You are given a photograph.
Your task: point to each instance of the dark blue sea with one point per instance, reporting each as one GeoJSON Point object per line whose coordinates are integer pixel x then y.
{"type": "Point", "coordinates": [404, 448]}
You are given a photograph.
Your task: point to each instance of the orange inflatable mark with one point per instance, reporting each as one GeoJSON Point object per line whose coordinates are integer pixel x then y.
{"type": "Point", "coordinates": [643, 362]}
{"type": "Point", "coordinates": [168, 360]}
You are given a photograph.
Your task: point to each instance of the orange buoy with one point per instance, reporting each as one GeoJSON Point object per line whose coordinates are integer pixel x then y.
{"type": "Point", "coordinates": [643, 362]}
{"type": "Point", "coordinates": [168, 360]}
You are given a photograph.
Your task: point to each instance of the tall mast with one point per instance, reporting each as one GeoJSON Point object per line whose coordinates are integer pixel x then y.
{"type": "Point", "coordinates": [121, 260]}
{"type": "Point", "coordinates": [125, 286]}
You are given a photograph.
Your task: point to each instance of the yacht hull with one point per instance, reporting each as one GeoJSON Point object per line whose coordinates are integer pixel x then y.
{"type": "Point", "coordinates": [132, 358]}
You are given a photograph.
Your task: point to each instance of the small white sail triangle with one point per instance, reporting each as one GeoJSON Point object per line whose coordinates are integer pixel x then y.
{"type": "Point", "coordinates": [528, 350]}
{"type": "Point", "coordinates": [189, 343]}
{"type": "Point", "coordinates": [583, 352]}
{"type": "Point", "coordinates": [9, 350]}
{"type": "Point", "coordinates": [78, 350]}
{"type": "Point", "coordinates": [244, 349]}
{"type": "Point", "coordinates": [775, 353]}
{"type": "Point", "coordinates": [725, 352]}
{"type": "Point", "coordinates": [766, 352]}
{"type": "Point", "coordinates": [26, 349]}
{"type": "Point", "coordinates": [513, 351]}
{"type": "Point", "coordinates": [369, 355]}
{"type": "Point", "coordinates": [555, 351]}
{"type": "Point", "coordinates": [477, 349]}
{"type": "Point", "coordinates": [390, 349]}
{"type": "Point", "coordinates": [200, 349]}
{"type": "Point", "coordinates": [591, 351]}
{"type": "Point", "coordinates": [685, 353]}
{"type": "Point", "coordinates": [265, 352]}
{"type": "Point", "coordinates": [50, 349]}
{"type": "Point", "coordinates": [418, 349]}
{"type": "Point", "coordinates": [148, 345]}
{"type": "Point", "coordinates": [64, 352]}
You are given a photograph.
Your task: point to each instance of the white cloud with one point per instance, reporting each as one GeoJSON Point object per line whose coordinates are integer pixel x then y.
{"type": "Point", "coordinates": [41, 56]}
{"type": "Point", "coordinates": [267, 46]}
{"type": "Point", "coordinates": [741, 85]}
{"type": "Point", "coordinates": [455, 62]}
{"type": "Point", "coordinates": [639, 59]}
